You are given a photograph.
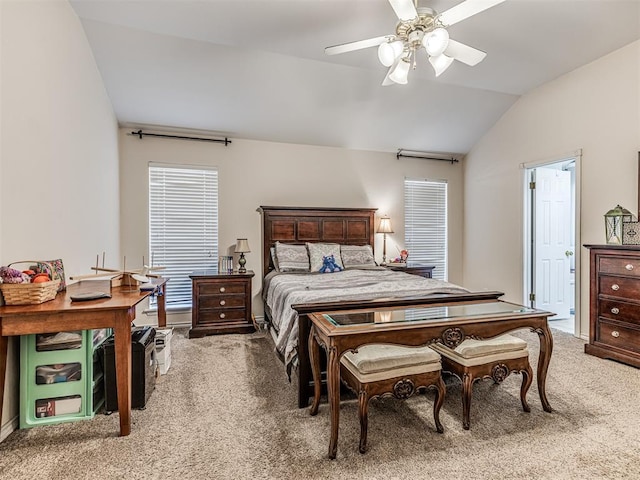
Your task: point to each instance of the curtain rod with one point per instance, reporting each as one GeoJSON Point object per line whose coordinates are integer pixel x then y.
{"type": "Point", "coordinates": [140, 134]}
{"type": "Point", "coordinates": [425, 156]}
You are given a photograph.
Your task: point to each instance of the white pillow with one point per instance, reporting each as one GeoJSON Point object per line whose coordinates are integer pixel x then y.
{"type": "Point", "coordinates": [319, 250]}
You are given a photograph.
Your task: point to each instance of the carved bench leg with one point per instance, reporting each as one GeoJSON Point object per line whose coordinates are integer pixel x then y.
{"type": "Point", "coordinates": [527, 379]}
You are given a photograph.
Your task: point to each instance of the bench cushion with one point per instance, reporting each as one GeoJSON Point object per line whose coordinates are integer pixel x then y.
{"type": "Point", "coordinates": [379, 362]}
{"type": "Point", "coordinates": [478, 352]}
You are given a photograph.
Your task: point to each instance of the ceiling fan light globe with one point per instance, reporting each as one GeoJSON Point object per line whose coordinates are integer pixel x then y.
{"type": "Point", "coordinates": [436, 41]}
{"type": "Point", "coordinates": [386, 54]}
{"type": "Point", "coordinates": [400, 74]}
{"type": "Point", "coordinates": [440, 63]}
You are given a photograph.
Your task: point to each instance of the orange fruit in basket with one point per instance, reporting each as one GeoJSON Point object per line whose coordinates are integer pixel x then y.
{"type": "Point", "coordinates": [40, 278]}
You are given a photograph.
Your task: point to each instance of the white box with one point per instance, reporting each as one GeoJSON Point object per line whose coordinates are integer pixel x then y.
{"type": "Point", "coordinates": [163, 349]}
{"type": "Point", "coordinates": [163, 337]}
{"type": "Point", "coordinates": [163, 357]}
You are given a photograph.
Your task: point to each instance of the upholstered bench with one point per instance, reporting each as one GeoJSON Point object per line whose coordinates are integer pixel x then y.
{"type": "Point", "coordinates": [377, 370]}
{"type": "Point", "coordinates": [494, 358]}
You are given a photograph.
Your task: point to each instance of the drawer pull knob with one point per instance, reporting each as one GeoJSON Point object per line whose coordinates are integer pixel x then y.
{"type": "Point", "coordinates": [615, 287]}
{"type": "Point", "coordinates": [615, 334]}
{"type": "Point", "coordinates": [222, 302]}
{"type": "Point", "coordinates": [629, 266]}
{"type": "Point", "coordinates": [615, 310]}
{"type": "Point", "coordinates": [222, 315]}
{"type": "Point", "coordinates": [222, 289]}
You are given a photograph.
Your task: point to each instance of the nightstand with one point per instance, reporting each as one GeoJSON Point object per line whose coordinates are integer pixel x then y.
{"type": "Point", "coordinates": [221, 303]}
{"type": "Point", "coordinates": [413, 269]}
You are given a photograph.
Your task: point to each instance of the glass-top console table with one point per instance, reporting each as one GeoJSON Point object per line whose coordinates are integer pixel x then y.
{"type": "Point", "coordinates": [339, 332]}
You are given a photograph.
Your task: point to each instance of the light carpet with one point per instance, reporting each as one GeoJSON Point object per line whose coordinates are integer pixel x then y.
{"type": "Point", "coordinates": [225, 410]}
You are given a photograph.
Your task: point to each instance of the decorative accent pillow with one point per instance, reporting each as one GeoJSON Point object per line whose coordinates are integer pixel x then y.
{"type": "Point", "coordinates": [292, 258]}
{"type": "Point", "coordinates": [319, 250]}
{"type": "Point", "coordinates": [357, 256]}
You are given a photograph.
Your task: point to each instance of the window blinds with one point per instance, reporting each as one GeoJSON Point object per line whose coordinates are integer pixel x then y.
{"type": "Point", "coordinates": [425, 224]}
{"type": "Point", "coordinates": [183, 225]}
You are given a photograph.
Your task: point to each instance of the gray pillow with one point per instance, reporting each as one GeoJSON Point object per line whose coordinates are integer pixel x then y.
{"type": "Point", "coordinates": [357, 256]}
{"type": "Point", "coordinates": [292, 258]}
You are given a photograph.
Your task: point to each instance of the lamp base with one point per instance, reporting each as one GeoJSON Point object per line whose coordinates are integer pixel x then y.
{"type": "Point", "coordinates": [242, 262]}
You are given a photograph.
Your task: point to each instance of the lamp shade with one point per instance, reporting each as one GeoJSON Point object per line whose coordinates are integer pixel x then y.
{"type": "Point", "coordinates": [385, 225]}
{"type": "Point", "coordinates": [436, 41]}
{"type": "Point", "coordinates": [440, 63]}
{"type": "Point", "coordinates": [401, 72]}
{"type": "Point", "coordinates": [242, 246]}
{"type": "Point", "coordinates": [389, 51]}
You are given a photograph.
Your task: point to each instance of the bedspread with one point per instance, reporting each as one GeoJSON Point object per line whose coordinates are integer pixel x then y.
{"type": "Point", "coordinates": [282, 290]}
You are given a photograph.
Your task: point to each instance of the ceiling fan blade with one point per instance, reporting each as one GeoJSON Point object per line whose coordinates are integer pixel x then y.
{"type": "Point", "coordinates": [464, 53]}
{"type": "Point", "coordinates": [465, 10]}
{"type": "Point", "coordinates": [405, 9]}
{"type": "Point", "coordinates": [360, 44]}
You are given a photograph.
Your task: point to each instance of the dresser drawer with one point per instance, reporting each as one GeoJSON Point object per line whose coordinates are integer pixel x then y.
{"type": "Point", "coordinates": [620, 287]}
{"type": "Point", "coordinates": [620, 265]}
{"type": "Point", "coordinates": [221, 315]}
{"type": "Point", "coordinates": [221, 301]}
{"type": "Point", "coordinates": [619, 310]}
{"type": "Point", "coordinates": [219, 288]}
{"type": "Point", "coordinates": [618, 336]}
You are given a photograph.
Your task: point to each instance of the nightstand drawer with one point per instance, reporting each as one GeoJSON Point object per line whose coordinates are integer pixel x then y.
{"type": "Point", "coordinates": [618, 336]}
{"type": "Point", "coordinates": [619, 310]}
{"type": "Point", "coordinates": [221, 288]}
{"type": "Point", "coordinates": [620, 266]}
{"type": "Point", "coordinates": [221, 301]}
{"type": "Point", "coordinates": [221, 315]}
{"type": "Point", "coordinates": [620, 287]}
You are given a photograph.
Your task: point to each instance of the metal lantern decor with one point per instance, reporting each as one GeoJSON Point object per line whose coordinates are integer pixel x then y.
{"type": "Point", "coordinates": [613, 221]}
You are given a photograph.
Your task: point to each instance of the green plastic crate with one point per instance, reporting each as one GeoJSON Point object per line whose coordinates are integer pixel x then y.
{"type": "Point", "coordinates": [52, 387]}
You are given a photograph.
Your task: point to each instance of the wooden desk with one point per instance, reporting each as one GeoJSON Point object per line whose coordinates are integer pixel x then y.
{"type": "Point", "coordinates": [341, 332]}
{"type": "Point", "coordinates": [60, 314]}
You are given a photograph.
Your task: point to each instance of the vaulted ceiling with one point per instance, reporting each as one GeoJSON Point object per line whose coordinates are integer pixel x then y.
{"type": "Point", "coordinates": [257, 69]}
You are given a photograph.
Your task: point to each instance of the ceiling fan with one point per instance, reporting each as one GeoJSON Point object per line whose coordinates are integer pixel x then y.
{"type": "Point", "coordinates": [418, 28]}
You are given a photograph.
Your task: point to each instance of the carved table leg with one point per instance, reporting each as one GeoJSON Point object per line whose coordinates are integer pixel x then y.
{"type": "Point", "coordinates": [441, 390]}
{"type": "Point", "coordinates": [333, 392]}
{"type": "Point", "coordinates": [467, 391]}
{"type": "Point", "coordinates": [546, 347]}
{"type": "Point", "coordinates": [314, 357]}
{"type": "Point", "coordinates": [363, 407]}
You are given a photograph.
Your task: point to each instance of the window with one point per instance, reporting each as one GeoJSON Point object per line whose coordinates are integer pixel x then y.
{"type": "Point", "coordinates": [425, 223]}
{"type": "Point", "coordinates": [183, 225]}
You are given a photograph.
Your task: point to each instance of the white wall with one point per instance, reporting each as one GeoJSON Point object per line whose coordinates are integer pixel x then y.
{"type": "Point", "coordinates": [254, 173]}
{"type": "Point", "coordinates": [59, 151]}
{"type": "Point", "coordinates": [595, 108]}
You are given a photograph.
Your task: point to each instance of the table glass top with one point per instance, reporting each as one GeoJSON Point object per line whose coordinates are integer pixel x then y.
{"type": "Point", "coordinates": [425, 314]}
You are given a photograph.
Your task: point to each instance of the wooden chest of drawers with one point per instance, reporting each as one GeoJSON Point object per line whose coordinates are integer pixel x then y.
{"type": "Point", "coordinates": [221, 303]}
{"type": "Point", "coordinates": [615, 303]}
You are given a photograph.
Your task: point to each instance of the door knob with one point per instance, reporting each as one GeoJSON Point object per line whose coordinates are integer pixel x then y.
{"type": "Point", "coordinates": [568, 253]}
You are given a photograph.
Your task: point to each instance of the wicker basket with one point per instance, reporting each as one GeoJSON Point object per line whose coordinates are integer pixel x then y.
{"type": "Point", "coordinates": [29, 293]}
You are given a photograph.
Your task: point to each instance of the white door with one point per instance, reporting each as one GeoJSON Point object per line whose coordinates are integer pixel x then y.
{"type": "Point", "coordinates": [552, 241]}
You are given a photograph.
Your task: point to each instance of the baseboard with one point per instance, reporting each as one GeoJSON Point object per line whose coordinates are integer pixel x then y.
{"type": "Point", "coordinates": [8, 428]}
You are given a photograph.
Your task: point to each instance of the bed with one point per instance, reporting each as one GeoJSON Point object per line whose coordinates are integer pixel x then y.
{"type": "Point", "coordinates": [289, 297]}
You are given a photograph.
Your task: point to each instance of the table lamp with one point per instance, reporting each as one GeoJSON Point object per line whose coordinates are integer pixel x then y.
{"type": "Point", "coordinates": [242, 247]}
{"type": "Point", "coordinates": [384, 227]}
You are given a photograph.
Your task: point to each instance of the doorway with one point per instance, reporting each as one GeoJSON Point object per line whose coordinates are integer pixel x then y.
{"type": "Point", "coordinates": [551, 257]}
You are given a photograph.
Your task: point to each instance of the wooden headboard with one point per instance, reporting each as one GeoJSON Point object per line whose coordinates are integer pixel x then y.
{"type": "Point", "coordinates": [347, 226]}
